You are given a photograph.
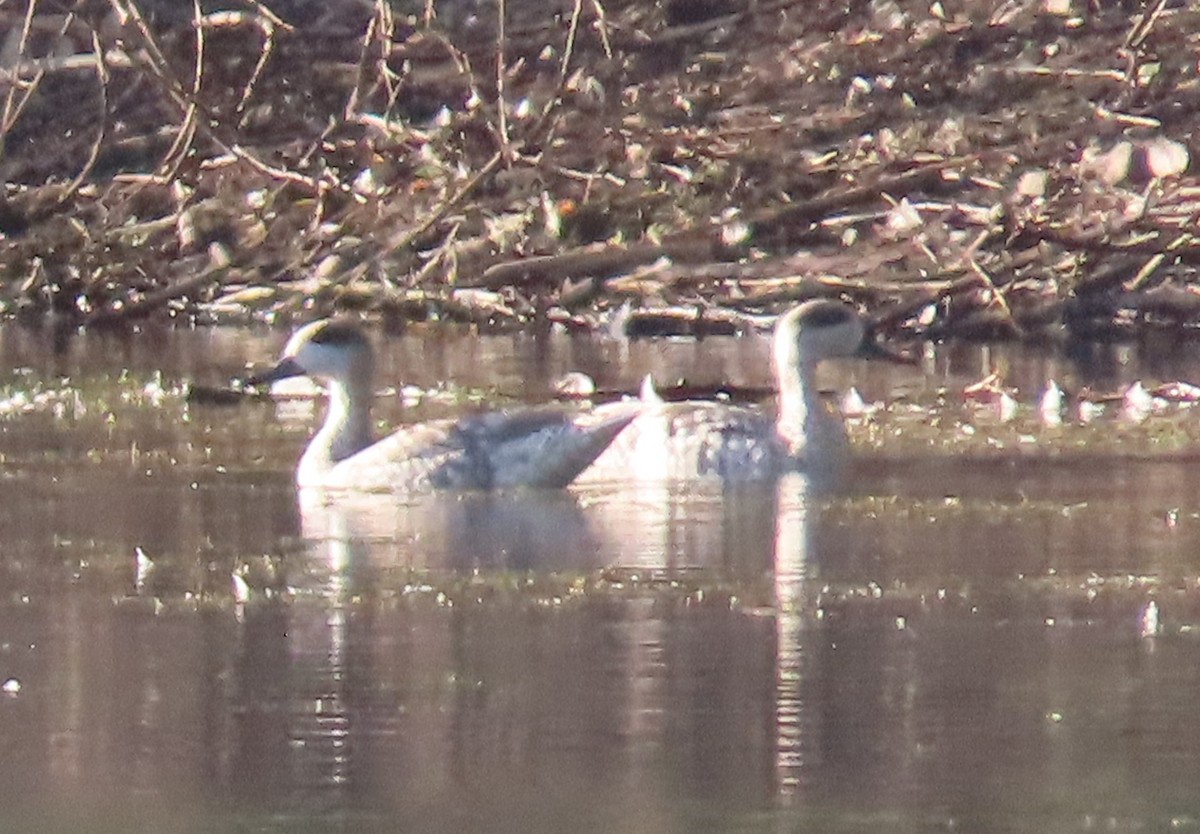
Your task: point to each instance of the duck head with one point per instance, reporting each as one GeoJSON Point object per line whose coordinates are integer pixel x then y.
{"type": "Point", "coordinates": [332, 350]}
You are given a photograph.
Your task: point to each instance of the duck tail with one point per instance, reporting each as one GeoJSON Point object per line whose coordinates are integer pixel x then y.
{"type": "Point", "coordinates": [556, 454]}
{"type": "Point", "coordinates": [648, 393]}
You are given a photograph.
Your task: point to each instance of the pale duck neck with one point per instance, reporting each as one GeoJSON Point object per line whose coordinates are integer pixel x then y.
{"type": "Point", "coordinates": [804, 425]}
{"type": "Point", "coordinates": [346, 430]}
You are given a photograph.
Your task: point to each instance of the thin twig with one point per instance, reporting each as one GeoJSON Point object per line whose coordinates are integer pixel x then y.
{"type": "Point", "coordinates": [186, 136]}
{"type": "Point", "coordinates": [13, 108]}
{"type": "Point", "coordinates": [602, 27]}
{"type": "Point", "coordinates": [90, 163]}
{"type": "Point", "coordinates": [449, 204]}
{"type": "Point", "coordinates": [266, 29]}
{"type": "Point", "coordinates": [160, 68]}
{"type": "Point", "coordinates": [270, 16]}
{"type": "Point", "coordinates": [443, 253]}
{"type": "Point", "coordinates": [994, 293]}
{"type": "Point", "coordinates": [1141, 30]}
{"type": "Point", "coordinates": [364, 58]}
{"type": "Point", "coordinates": [541, 129]}
{"type": "Point", "coordinates": [1138, 282]}
{"type": "Point", "coordinates": [501, 99]}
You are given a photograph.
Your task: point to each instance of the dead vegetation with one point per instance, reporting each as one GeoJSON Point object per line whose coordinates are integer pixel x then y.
{"type": "Point", "coordinates": [961, 168]}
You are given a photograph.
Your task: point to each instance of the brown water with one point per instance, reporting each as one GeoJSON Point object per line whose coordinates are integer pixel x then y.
{"type": "Point", "coordinates": [962, 636]}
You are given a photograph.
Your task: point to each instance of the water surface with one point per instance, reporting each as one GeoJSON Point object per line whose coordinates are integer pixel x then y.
{"type": "Point", "coordinates": [990, 625]}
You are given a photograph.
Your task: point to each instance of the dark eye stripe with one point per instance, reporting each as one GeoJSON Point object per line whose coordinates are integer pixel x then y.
{"type": "Point", "coordinates": [828, 315]}
{"type": "Point", "coordinates": [338, 332]}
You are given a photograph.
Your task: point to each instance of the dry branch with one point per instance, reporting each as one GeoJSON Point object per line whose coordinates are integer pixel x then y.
{"type": "Point", "coordinates": [601, 261]}
{"type": "Point", "coordinates": [995, 162]}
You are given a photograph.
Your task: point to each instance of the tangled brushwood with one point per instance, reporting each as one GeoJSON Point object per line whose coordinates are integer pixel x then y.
{"type": "Point", "coordinates": [960, 168]}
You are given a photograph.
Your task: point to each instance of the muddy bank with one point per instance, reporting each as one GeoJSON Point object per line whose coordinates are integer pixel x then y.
{"type": "Point", "coordinates": [958, 169]}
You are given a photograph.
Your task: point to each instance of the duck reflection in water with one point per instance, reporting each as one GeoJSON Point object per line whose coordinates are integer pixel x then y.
{"type": "Point", "coordinates": [506, 530]}
{"type": "Point", "coordinates": [642, 666]}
